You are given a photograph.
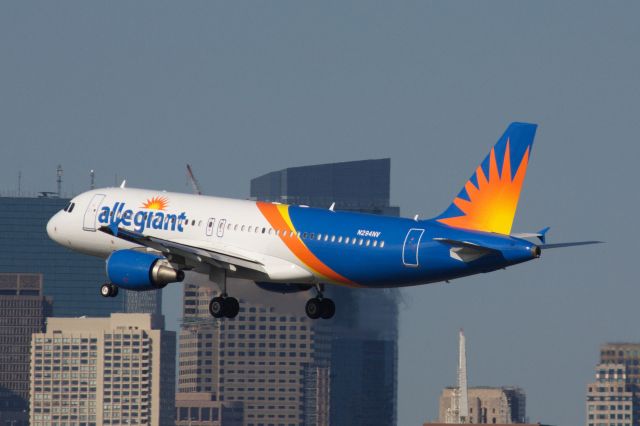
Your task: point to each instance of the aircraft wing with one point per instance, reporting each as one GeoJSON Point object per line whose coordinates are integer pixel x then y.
{"type": "Point", "coordinates": [218, 257]}
{"type": "Point", "coordinates": [465, 251]}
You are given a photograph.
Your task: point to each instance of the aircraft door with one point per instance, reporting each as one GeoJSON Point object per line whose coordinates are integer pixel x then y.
{"type": "Point", "coordinates": [411, 247]}
{"type": "Point", "coordinates": [91, 214]}
{"type": "Point", "coordinates": [221, 227]}
{"type": "Point", "coordinates": [210, 223]}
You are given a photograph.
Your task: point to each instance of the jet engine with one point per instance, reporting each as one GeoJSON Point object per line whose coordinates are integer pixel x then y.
{"type": "Point", "coordinates": [134, 270]}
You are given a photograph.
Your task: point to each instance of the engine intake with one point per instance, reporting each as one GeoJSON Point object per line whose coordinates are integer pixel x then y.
{"type": "Point", "coordinates": [134, 270]}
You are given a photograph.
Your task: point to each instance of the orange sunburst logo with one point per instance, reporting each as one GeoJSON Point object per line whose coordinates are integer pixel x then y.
{"type": "Point", "coordinates": [492, 204]}
{"type": "Point", "coordinates": [156, 203]}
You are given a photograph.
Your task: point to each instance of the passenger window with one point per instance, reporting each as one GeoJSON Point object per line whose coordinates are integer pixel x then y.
{"type": "Point", "coordinates": [353, 241]}
{"type": "Point", "coordinates": [326, 237]}
{"type": "Point", "coordinates": [360, 242]}
{"type": "Point", "coordinates": [312, 236]}
{"type": "Point", "coordinates": [346, 240]}
{"type": "Point", "coordinates": [193, 222]}
{"type": "Point", "coordinates": [249, 228]}
{"type": "Point", "coordinates": [375, 243]}
{"type": "Point", "coordinates": [381, 244]}
{"type": "Point", "coordinates": [235, 227]}
{"type": "Point", "coordinates": [270, 231]}
{"type": "Point", "coordinates": [199, 223]}
{"type": "Point", "coordinates": [368, 242]}
{"type": "Point", "coordinates": [229, 227]}
{"type": "Point", "coordinates": [257, 229]}
{"type": "Point", "coordinates": [264, 230]}
{"type": "Point", "coordinates": [304, 236]}
{"type": "Point", "coordinates": [333, 238]}
{"type": "Point", "coordinates": [319, 237]}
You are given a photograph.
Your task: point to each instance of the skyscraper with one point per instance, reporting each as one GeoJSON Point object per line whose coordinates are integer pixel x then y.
{"type": "Point", "coordinates": [265, 358]}
{"type": "Point", "coordinates": [627, 355]}
{"type": "Point", "coordinates": [71, 279]}
{"type": "Point", "coordinates": [487, 405]}
{"type": "Point", "coordinates": [610, 398]}
{"type": "Point", "coordinates": [23, 310]}
{"type": "Point", "coordinates": [96, 371]}
{"type": "Point", "coordinates": [363, 335]}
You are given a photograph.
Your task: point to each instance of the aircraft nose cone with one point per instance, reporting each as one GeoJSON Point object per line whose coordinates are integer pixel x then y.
{"type": "Point", "coordinates": [52, 228]}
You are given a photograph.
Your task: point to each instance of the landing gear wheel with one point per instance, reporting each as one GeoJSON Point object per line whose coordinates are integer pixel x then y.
{"type": "Point", "coordinates": [313, 308]}
{"type": "Point", "coordinates": [114, 291]}
{"type": "Point", "coordinates": [108, 290]}
{"type": "Point", "coordinates": [105, 290]}
{"type": "Point", "coordinates": [216, 307]}
{"type": "Point", "coordinates": [327, 308]}
{"type": "Point", "coordinates": [231, 307]}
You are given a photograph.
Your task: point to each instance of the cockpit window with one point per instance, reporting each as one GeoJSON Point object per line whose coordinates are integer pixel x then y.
{"type": "Point", "coordinates": [71, 206]}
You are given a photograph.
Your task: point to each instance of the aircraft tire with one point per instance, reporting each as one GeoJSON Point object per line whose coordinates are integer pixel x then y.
{"type": "Point", "coordinates": [327, 309]}
{"type": "Point", "coordinates": [216, 307]}
{"type": "Point", "coordinates": [313, 308]}
{"type": "Point", "coordinates": [105, 290]}
{"type": "Point", "coordinates": [231, 307]}
{"type": "Point", "coordinates": [114, 291]}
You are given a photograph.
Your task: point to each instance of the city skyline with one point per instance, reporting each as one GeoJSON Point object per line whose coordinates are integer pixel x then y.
{"type": "Point", "coordinates": [238, 90]}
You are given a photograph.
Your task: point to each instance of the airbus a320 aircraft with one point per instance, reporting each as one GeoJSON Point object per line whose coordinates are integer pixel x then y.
{"type": "Point", "coordinates": [149, 238]}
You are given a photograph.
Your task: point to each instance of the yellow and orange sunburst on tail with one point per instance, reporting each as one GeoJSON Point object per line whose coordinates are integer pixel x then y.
{"type": "Point", "coordinates": [156, 203]}
{"type": "Point", "coordinates": [491, 204]}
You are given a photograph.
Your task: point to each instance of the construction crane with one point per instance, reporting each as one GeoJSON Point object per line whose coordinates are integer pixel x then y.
{"type": "Point", "coordinates": [194, 182]}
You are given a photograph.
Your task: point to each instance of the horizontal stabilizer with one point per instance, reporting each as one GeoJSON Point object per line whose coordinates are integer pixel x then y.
{"type": "Point", "coordinates": [541, 234]}
{"type": "Point", "coordinates": [572, 244]}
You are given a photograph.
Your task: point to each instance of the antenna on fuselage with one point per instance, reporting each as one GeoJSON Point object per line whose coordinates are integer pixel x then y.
{"type": "Point", "coordinates": [92, 174]}
{"type": "Point", "coordinates": [123, 184]}
{"type": "Point", "coordinates": [333, 206]}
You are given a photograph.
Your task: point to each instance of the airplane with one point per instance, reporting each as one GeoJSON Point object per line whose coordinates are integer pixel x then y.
{"type": "Point", "coordinates": [151, 238]}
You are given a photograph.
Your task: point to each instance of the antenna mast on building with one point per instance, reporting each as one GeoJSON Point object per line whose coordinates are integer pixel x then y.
{"type": "Point", "coordinates": [93, 179]}
{"type": "Point", "coordinates": [458, 412]}
{"type": "Point", "coordinates": [59, 179]}
{"type": "Point", "coordinates": [19, 182]}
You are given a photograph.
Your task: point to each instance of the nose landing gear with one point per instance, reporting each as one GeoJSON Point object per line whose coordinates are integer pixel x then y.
{"type": "Point", "coordinates": [108, 290]}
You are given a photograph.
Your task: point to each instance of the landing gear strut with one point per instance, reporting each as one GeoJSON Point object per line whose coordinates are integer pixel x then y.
{"type": "Point", "coordinates": [108, 290]}
{"type": "Point", "coordinates": [320, 306]}
{"type": "Point", "coordinates": [223, 305]}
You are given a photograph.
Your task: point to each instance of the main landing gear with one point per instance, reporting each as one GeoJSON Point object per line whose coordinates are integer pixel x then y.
{"type": "Point", "coordinates": [320, 306]}
{"type": "Point", "coordinates": [108, 290]}
{"type": "Point", "coordinates": [224, 305]}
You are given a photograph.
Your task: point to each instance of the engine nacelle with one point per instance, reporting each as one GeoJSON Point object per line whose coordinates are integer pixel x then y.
{"type": "Point", "coordinates": [284, 287]}
{"type": "Point", "coordinates": [134, 270]}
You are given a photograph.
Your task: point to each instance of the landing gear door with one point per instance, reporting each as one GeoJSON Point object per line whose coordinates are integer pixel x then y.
{"type": "Point", "coordinates": [91, 214]}
{"type": "Point", "coordinates": [411, 248]}
{"type": "Point", "coordinates": [210, 225]}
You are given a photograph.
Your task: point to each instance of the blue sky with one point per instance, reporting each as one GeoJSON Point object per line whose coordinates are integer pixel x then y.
{"type": "Point", "coordinates": [239, 89]}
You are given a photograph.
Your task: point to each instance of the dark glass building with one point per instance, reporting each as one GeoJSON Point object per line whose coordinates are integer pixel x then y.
{"type": "Point", "coordinates": [23, 311]}
{"type": "Point", "coordinates": [362, 339]}
{"type": "Point", "coordinates": [71, 279]}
